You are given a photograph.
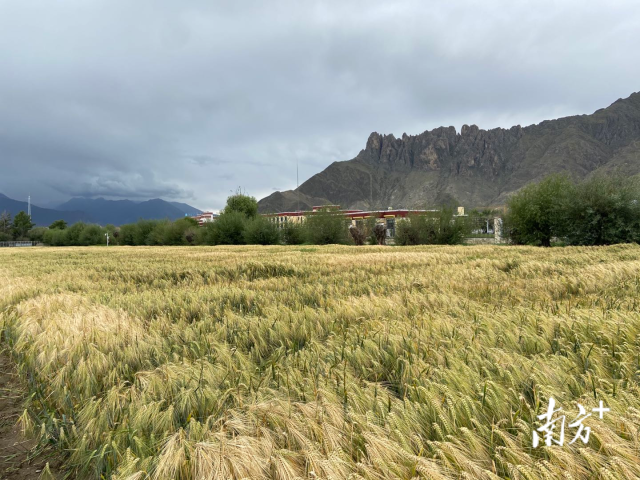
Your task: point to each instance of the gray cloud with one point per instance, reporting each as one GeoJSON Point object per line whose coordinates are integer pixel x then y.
{"type": "Point", "coordinates": [189, 100]}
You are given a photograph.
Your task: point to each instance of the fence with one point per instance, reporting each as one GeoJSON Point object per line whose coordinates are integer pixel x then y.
{"type": "Point", "coordinates": [18, 244]}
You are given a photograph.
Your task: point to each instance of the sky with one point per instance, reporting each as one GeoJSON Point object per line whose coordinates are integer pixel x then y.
{"type": "Point", "coordinates": [189, 101]}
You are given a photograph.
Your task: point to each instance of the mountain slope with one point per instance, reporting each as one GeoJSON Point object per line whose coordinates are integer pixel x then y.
{"type": "Point", "coordinates": [475, 167]}
{"type": "Point", "coordinates": [185, 208]}
{"type": "Point", "coordinates": [42, 217]}
{"type": "Point", "coordinates": [118, 212]}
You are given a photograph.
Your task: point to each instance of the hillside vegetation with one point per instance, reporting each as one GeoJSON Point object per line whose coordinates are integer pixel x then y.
{"type": "Point", "coordinates": [325, 362]}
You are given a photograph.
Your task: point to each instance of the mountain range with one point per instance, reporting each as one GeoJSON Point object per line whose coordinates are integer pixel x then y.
{"type": "Point", "coordinates": [101, 211]}
{"type": "Point", "coordinates": [472, 167]}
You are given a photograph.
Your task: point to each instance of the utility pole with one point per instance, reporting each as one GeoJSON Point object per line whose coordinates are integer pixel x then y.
{"type": "Point", "coordinates": [107, 235]}
{"type": "Point", "coordinates": [29, 206]}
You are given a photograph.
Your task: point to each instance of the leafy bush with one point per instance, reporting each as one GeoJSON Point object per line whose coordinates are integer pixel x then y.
{"type": "Point", "coordinates": [228, 229]}
{"type": "Point", "coordinates": [537, 212]}
{"type": "Point", "coordinates": [323, 228]}
{"type": "Point", "coordinates": [260, 231]}
{"type": "Point", "coordinates": [440, 229]}
{"type": "Point", "coordinates": [293, 233]}
{"type": "Point", "coordinates": [55, 237]}
{"type": "Point", "coordinates": [604, 210]}
{"type": "Point", "coordinates": [92, 235]}
{"type": "Point", "coordinates": [36, 234]}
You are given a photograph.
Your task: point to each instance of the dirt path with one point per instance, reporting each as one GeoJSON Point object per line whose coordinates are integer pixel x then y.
{"type": "Point", "coordinates": [15, 450]}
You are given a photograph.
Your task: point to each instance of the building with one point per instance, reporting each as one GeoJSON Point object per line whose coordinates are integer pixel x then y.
{"type": "Point", "coordinates": [205, 217]}
{"type": "Point", "coordinates": [357, 218]}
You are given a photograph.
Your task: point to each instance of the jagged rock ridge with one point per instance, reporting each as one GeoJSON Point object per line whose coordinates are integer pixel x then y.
{"type": "Point", "coordinates": [475, 167]}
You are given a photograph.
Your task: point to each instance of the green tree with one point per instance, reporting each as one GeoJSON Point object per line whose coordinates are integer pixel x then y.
{"type": "Point", "coordinates": [58, 224]}
{"type": "Point", "coordinates": [36, 234]}
{"type": "Point", "coordinates": [451, 230]}
{"type": "Point", "coordinates": [128, 234]}
{"type": "Point", "coordinates": [5, 222]}
{"type": "Point", "coordinates": [537, 213]}
{"type": "Point", "coordinates": [604, 210]}
{"type": "Point", "coordinates": [260, 231]}
{"type": "Point", "coordinates": [323, 228]}
{"type": "Point", "coordinates": [293, 233]}
{"type": "Point", "coordinates": [242, 203]}
{"type": "Point", "coordinates": [92, 235]}
{"type": "Point", "coordinates": [73, 233]}
{"type": "Point", "coordinates": [228, 229]}
{"type": "Point", "coordinates": [55, 237]}
{"type": "Point", "coordinates": [21, 225]}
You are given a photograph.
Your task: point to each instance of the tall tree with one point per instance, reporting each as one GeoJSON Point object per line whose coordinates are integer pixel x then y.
{"type": "Point", "coordinates": [21, 225]}
{"type": "Point", "coordinates": [537, 213]}
{"type": "Point", "coordinates": [242, 203]}
{"type": "Point", "coordinates": [58, 224]}
{"type": "Point", "coordinates": [5, 222]}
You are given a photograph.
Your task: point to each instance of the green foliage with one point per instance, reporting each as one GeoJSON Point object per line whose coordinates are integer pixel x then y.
{"type": "Point", "coordinates": [260, 231]}
{"type": "Point", "coordinates": [369, 226]}
{"type": "Point", "coordinates": [5, 237]}
{"type": "Point", "coordinates": [293, 233]}
{"type": "Point", "coordinates": [5, 222]}
{"type": "Point", "coordinates": [176, 233]}
{"type": "Point", "coordinates": [451, 229]}
{"type": "Point", "coordinates": [58, 224]}
{"type": "Point", "coordinates": [73, 233]}
{"type": "Point", "coordinates": [442, 228]}
{"type": "Point", "coordinates": [228, 229]}
{"type": "Point", "coordinates": [36, 234]}
{"type": "Point", "coordinates": [242, 203]}
{"type": "Point", "coordinates": [604, 210]}
{"type": "Point", "coordinates": [21, 225]}
{"type": "Point", "coordinates": [323, 228]}
{"type": "Point", "coordinates": [92, 235]}
{"type": "Point", "coordinates": [128, 234]}
{"type": "Point", "coordinates": [55, 237]}
{"type": "Point", "coordinates": [536, 213]}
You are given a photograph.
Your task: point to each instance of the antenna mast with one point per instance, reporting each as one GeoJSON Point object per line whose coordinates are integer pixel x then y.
{"type": "Point", "coordinates": [297, 184]}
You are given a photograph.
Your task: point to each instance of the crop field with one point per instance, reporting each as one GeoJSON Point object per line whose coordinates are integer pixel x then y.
{"type": "Point", "coordinates": [325, 362]}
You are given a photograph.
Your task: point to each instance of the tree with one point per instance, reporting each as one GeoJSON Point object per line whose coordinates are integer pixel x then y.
{"type": "Point", "coordinates": [55, 237]}
{"type": "Point", "coordinates": [451, 230]}
{"type": "Point", "coordinates": [260, 231]}
{"type": "Point", "coordinates": [21, 225]}
{"type": "Point", "coordinates": [73, 233]}
{"type": "Point", "coordinates": [5, 222]}
{"type": "Point", "coordinates": [604, 210]}
{"type": "Point", "coordinates": [36, 234]}
{"type": "Point", "coordinates": [324, 228]}
{"type": "Point", "coordinates": [92, 235]}
{"type": "Point", "coordinates": [228, 229]}
{"type": "Point", "coordinates": [537, 213]}
{"type": "Point", "coordinates": [58, 225]}
{"type": "Point", "coordinates": [293, 233]}
{"type": "Point", "coordinates": [242, 203]}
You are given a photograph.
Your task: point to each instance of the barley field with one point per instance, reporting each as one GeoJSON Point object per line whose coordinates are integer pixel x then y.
{"type": "Point", "coordinates": [325, 362]}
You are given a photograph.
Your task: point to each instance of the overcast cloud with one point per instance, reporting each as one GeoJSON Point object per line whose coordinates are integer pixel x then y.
{"type": "Point", "coordinates": [190, 100]}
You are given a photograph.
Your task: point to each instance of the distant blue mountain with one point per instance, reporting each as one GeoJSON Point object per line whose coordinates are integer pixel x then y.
{"type": "Point", "coordinates": [118, 212]}
{"type": "Point", "coordinates": [42, 217]}
{"type": "Point", "coordinates": [188, 209]}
